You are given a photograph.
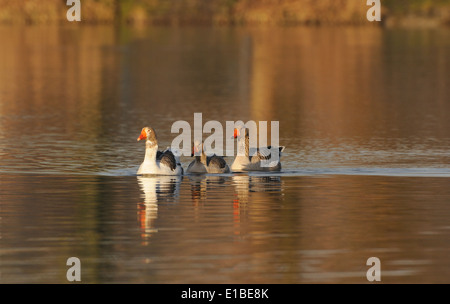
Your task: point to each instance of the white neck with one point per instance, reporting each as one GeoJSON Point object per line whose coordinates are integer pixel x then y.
{"type": "Point", "coordinates": [150, 151]}
{"type": "Point", "coordinates": [241, 148]}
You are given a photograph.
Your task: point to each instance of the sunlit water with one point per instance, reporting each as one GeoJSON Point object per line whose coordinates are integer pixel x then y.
{"type": "Point", "coordinates": [363, 114]}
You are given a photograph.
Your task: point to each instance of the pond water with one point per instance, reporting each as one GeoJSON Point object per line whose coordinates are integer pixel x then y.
{"type": "Point", "coordinates": [363, 113]}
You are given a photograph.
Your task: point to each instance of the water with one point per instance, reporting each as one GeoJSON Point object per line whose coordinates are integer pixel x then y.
{"type": "Point", "coordinates": [363, 114]}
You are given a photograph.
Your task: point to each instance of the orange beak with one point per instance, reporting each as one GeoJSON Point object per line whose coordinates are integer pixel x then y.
{"type": "Point", "coordinates": [142, 136]}
{"type": "Point", "coordinates": [236, 133]}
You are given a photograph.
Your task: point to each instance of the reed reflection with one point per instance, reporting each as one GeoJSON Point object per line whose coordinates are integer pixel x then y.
{"type": "Point", "coordinates": [156, 189]}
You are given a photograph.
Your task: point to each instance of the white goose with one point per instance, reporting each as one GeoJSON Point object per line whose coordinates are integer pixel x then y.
{"type": "Point", "coordinates": [206, 164]}
{"type": "Point", "coordinates": [157, 162]}
{"type": "Point", "coordinates": [246, 162]}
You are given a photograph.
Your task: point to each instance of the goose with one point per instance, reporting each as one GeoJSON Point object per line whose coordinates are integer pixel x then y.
{"type": "Point", "coordinates": [157, 162]}
{"type": "Point", "coordinates": [246, 162]}
{"type": "Point", "coordinates": [206, 164]}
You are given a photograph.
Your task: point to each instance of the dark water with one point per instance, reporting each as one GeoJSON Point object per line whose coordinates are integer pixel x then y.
{"type": "Point", "coordinates": [364, 116]}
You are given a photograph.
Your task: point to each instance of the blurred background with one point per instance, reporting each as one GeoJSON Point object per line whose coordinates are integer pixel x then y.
{"type": "Point", "coordinates": [230, 12]}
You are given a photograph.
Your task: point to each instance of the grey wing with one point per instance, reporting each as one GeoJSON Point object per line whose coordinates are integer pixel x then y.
{"type": "Point", "coordinates": [216, 161]}
{"type": "Point", "coordinates": [261, 154]}
{"type": "Point", "coordinates": [168, 159]}
{"type": "Point", "coordinates": [265, 153]}
{"type": "Point", "coordinates": [190, 165]}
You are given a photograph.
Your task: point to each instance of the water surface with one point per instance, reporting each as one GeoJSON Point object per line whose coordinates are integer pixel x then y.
{"type": "Point", "coordinates": [363, 114]}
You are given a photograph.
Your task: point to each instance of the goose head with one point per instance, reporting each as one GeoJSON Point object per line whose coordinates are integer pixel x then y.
{"type": "Point", "coordinates": [240, 131]}
{"type": "Point", "coordinates": [197, 148]}
{"type": "Point", "coordinates": [148, 134]}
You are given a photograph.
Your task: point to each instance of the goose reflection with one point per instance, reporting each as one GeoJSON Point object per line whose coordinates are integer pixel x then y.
{"type": "Point", "coordinates": [201, 184]}
{"type": "Point", "coordinates": [156, 189]}
{"type": "Point", "coordinates": [254, 186]}
{"type": "Point", "coordinates": [245, 184]}
{"type": "Point", "coordinates": [250, 190]}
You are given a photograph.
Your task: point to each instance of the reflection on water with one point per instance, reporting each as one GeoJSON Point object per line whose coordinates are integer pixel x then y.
{"type": "Point", "coordinates": [203, 186]}
{"type": "Point", "coordinates": [363, 114]}
{"type": "Point", "coordinates": [156, 190]}
{"type": "Point", "coordinates": [248, 187]}
{"type": "Point", "coordinates": [224, 229]}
